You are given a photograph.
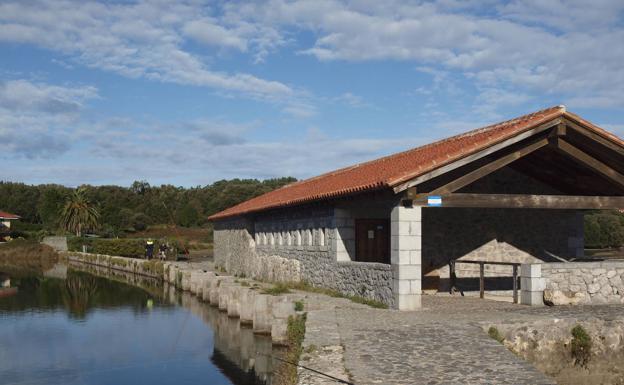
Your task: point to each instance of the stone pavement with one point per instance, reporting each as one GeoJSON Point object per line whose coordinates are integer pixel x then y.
{"type": "Point", "coordinates": [444, 343]}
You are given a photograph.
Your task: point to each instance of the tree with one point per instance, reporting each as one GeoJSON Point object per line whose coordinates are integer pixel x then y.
{"type": "Point", "coordinates": [128, 209]}
{"type": "Point", "coordinates": [51, 201]}
{"type": "Point", "coordinates": [78, 213]}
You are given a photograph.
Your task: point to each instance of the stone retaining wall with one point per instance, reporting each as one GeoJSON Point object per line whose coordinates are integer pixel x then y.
{"type": "Point", "coordinates": [266, 313]}
{"type": "Point", "coordinates": [573, 283]}
{"type": "Point", "coordinates": [152, 269]}
{"type": "Point", "coordinates": [368, 280]}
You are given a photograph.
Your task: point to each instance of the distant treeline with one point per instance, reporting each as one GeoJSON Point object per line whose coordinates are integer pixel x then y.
{"type": "Point", "coordinates": [604, 229]}
{"type": "Point", "coordinates": [131, 209]}
{"type": "Point", "coordinates": [127, 209]}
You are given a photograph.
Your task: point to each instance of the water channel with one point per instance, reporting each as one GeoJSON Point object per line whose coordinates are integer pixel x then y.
{"type": "Point", "coordinates": [74, 327]}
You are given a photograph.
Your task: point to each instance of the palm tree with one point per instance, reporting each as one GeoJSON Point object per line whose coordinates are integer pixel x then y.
{"type": "Point", "coordinates": [78, 213]}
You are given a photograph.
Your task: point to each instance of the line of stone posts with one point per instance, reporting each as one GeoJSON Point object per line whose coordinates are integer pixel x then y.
{"type": "Point", "coordinates": [266, 314]}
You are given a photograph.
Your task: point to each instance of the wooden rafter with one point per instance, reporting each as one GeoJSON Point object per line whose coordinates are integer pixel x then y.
{"type": "Point", "coordinates": [471, 158]}
{"type": "Point", "coordinates": [489, 168]}
{"type": "Point", "coordinates": [590, 161]}
{"type": "Point", "coordinates": [526, 201]}
{"type": "Point", "coordinates": [592, 135]}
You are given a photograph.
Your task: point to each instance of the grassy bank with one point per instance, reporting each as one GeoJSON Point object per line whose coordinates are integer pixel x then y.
{"type": "Point", "coordinates": [286, 372]}
{"type": "Point", "coordinates": [27, 255]}
{"type": "Point", "coordinates": [284, 288]}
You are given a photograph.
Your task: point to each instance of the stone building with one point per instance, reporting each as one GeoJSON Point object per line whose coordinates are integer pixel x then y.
{"type": "Point", "coordinates": [387, 229]}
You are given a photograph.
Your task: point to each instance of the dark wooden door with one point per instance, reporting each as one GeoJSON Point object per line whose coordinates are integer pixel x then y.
{"type": "Point", "coordinates": [372, 240]}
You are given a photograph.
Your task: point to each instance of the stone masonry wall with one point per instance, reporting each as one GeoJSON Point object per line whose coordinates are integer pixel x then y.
{"type": "Point", "coordinates": [297, 245]}
{"type": "Point", "coordinates": [509, 235]}
{"type": "Point", "coordinates": [586, 282]}
{"type": "Point", "coordinates": [236, 253]}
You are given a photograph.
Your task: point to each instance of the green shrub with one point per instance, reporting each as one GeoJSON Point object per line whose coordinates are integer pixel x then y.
{"type": "Point", "coordinates": [495, 334]}
{"type": "Point", "coordinates": [126, 247]}
{"type": "Point", "coordinates": [277, 289]}
{"type": "Point", "coordinates": [298, 305]}
{"type": "Point", "coordinates": [581, 346]}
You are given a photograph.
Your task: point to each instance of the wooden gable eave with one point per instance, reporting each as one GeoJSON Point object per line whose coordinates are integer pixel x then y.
{"type": "Point", "coordinates": [477, 155]}
{"type": "Point", "coordinates": [453, 177]}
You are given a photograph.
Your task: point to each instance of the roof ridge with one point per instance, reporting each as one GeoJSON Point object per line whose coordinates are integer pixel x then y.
{"type": "Point", "coordinates": [437, 142]}
{"type": "Point", "coordinates": [390, 170]}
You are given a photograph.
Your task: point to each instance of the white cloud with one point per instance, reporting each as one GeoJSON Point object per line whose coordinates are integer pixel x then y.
{"type": "Point", "coordinates": [564, 15]}
{"type": "Point", "coordinates": [490, 100]}
{"type": "Point", "coordinates": [122, 150]}
{"type": "Point", "coordinates": [37, 119]}
{"type": "Point", "coordinates": [208, 32]}
{"type": "Point", "coordinates": [538, 47]}
{"type": "Point", "coordinates": [23, 95]}
{"type": "Point", "coordinates": [143, 39]}
{"type": "Point", "coordinates": [351, 100]}
{"type": "Point", "coordinates": [300, 110]}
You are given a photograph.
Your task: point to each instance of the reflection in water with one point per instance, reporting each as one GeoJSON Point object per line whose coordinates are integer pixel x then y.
{"type": "Point", "coordinates": [88, 329]}
{"type": "Point", "coordinates": [238, 352]}
{"type": "Point", "coordinates": [78, 293]}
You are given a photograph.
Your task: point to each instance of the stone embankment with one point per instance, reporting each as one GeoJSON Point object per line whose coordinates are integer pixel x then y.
{"type": "Point", "coordinates": [551, 346]}
{"type": "Point", "coordinates": [264, 313]}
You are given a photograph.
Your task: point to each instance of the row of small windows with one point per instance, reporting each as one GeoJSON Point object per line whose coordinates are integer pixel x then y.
{"type": "Point", "coordinates": [307, 237]}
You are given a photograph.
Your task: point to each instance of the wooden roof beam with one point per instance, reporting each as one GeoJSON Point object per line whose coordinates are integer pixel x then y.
{"type": "Point", "coordinates": [526, 201]}
{"type": "Point", "coordinates": [489, 168]}
{"type": "Point", "coordinates": [590, 161]}
{"type": "Point", "coordinates": [594, 136]}
{"type": "Point", "coordinates": [478, 155]}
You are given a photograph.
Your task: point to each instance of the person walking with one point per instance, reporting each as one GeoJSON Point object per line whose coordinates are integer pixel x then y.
{"type": "Point", "coordinates": [163, 250]}
{"type": "Point", "coordinates": [149, 249]}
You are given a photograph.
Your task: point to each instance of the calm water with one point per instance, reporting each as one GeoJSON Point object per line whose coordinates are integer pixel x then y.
{"type": "Point", "coordinates": [90, 330]}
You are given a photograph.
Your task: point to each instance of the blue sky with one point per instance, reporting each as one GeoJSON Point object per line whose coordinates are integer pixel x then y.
{"type": "Point", "coordinates": [192, 92]}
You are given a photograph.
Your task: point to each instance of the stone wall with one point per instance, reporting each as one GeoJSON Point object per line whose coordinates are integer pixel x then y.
{"type": "Point", "coordinates": [597, 282]}
{"type": "Point", "coordinates": [306, 234]}
{"type": "Point", "coordinates": [573, 283]}
{"type": "Point", "coordinates": [235, 251]}
{"type": "Point", "coordinates": [57, 243]}
{"type": "Point", "coordinates": [509, 235]}
{"type": "Point", "coordinates": [299, 245]}
{"type": "Point", "coordinates": [368, 280]}
{"type": "Point", "coordinates": [233, 242]}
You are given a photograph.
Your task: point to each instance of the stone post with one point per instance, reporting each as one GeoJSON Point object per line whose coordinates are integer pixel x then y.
{"type": "Point", "coordinates": [406, 233]}
{"type": "Point", "coordinates": [532, 284]}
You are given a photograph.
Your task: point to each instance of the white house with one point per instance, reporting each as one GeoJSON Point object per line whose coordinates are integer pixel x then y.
{"type": "Point", "coordinates": [5, 219]}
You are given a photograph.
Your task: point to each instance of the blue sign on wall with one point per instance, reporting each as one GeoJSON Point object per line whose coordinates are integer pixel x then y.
{"type": "Point", "coordinates": [434, 200]}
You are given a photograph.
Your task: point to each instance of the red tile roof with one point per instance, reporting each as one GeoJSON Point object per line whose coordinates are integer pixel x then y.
{"type": "Point", "coordinates": [396, 169]}
{"type": "Point", "coordinates": [5, 215]}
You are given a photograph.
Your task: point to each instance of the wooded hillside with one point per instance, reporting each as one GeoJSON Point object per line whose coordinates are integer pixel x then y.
{"type": "Point", "coordinates": [129, 209]}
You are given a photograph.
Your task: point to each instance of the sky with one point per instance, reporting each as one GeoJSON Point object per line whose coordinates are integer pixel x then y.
{"type": "Point", "coordinates": [190, 92]}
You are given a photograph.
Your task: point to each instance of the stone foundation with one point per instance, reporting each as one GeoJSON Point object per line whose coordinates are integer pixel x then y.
{"type": "Point", "coordinates": [573, 283]}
